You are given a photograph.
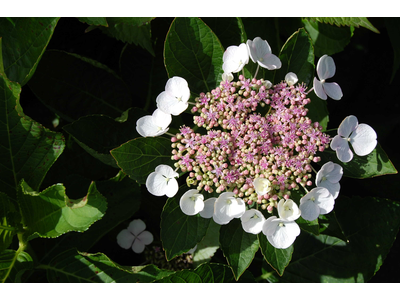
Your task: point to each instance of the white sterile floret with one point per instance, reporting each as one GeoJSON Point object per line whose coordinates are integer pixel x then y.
{"type": "Point", "coordinates": [252, 221]}
{"type": "Point", "coordinates": [260, 52]}
{"type": "Point", "coordinates": [191, 202]}
{"type": "Point", "coordinates": [174, 100]}
{"type": "Point", "coordinates": [291, 78]}
{"type": "Point", "coordinates": [162, 181]}
{"type": "Point", "coordinates": [154, 125]}
{"type": "Point", "coordinates": [288, 210]}
{"type": "Point", "coordinates": [235, 58]}
{"type": "Point", "coordinates": [361, 136]}
{"type": "Point", "coordinates": [319, 201]}
{"type": "Point", "coordinates": [227, 207]}
{"type": "Point", "coordinates": [326, 69]}
{"type": "Point", "coordinates": [208, 209]}
{"type": "Point", "coordinates": [261, 186]}
{"type": "Point", "coordinates": [280, 233]}
{"type": "Point", "coordinates": [227, 77]}
{"type": "Point", "coordinates": [135, 236]}
{"type": "Point", "coordinates": [329, 176]}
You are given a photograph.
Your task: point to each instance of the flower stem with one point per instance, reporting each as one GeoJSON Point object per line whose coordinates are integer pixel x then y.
{"type": "Point", "coordinates": [22, 245]}
{"type": "Point", "coordinates": [255, 75]}
{"type": "Point", "coordinates": [310, 90]}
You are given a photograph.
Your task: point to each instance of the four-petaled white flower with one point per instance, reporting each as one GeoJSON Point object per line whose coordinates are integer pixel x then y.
{"type": "Point", "coordinates": [319, 201]}
{"type": "Point", "coordinates": [191, 202]}
{"type": "Point", "coordinates": [281, 232]}
{"type": "Point", "coordinates": [227, 207]}
{"type": "Point", "coordinates": [135, 236]}
{"type": "Point", "coordinates": [174, 100]}
{"type": "Point", "coordinates": [328, 177]}
{"type": "Point", "coordinates": [252, 221]}
{"type": "Point", "coordinates": [154, 125]}
{"type": "Point", "coordinates": [326, 69]}
{"type": "Point", "coordinates": [260, 52]}
{"type": "Point", "coordinates": [361, 136]}
{"type": "Point", "coordinates": [162, 181]}
{"type": "Point", "coordinates": [291, 78]}
{"type": "Point", "coordinates": [235, 58]}
{"type": "Point", "coordinates": [261, 186]}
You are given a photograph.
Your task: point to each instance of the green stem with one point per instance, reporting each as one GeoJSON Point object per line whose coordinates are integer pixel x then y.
{"type": "Point", "coordinates": [22, 246]}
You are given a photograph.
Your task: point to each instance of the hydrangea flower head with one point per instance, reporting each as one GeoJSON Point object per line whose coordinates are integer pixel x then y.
{"type": "Point", "coordinates": [328, 177]}
{"type": "Point", "coordinates": [235, 58]}
{"type": "Point", "coordinates": [191, 202]}
{"type": "Point", "coordinates": [319, 201]}
{"type": "Point", "coordinates": [162, 181]}
{"type": "Point", "coordinates": [154, 125]}
{"type": "Point", "coordinates": [326, 69]}
{"type": "Point", "coordinates": [260, 52]}
{"type": "Point", "coordinates": [362, 137]}
{"type": "Point", "coordinates": [174, 100]}
{"type": "Point", "coordinates": [135, 236]}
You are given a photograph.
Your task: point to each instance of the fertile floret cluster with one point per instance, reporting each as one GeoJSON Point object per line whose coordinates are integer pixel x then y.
{"type": "Point", "coordinates": [253, 129]}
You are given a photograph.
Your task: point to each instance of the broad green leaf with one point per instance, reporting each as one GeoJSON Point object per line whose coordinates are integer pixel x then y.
{"type": "Point", "coordinates": [136, 30]}
{"type": "Point", "coordinates": [376, 163]}
{"type": "Point", "coordinates": [180, 232]}
{"type": "Point", "coordinates": [13, 264]}
{"type": "Point", "coordinates": [51, 213]}
{"type": "Point", "coordinates": [80, 267]}
{"type": "Point", "coordinates": [99, 134]}
{"type": "Point", "coordinates": [24, 44]}
{"type": "Point", "coordinates": [278, 259]}
{"type": "Point", "coordinates": [97, 21]}
{"type": "Point", "coordinates": [208, 246]}
{"type": "Point", "coordinates": [297, 56]}
{"type": "Point", "coordinates": [327, 39]}
{"type": "Point", "coordinates": [310, 226]}
{"type": "Point", "coordinates": [27, 149]}
{"type": "Point", "coordinates": [73, 86]}
{"type": "Point", "coordinates": [230, 31]}
{"type": "Point", "coordinates": [318, 110]}
{"type": "Point", "coordinates": [9, 218]}
{"type": "Point", "coordinates": [368, 239]}
{"type": "Point", "coordinates": [238, 246]}
{"type": "Point", "coordinates": [393, 28]}
{"type": "Point", "coordinates": [347, 21]}
{"type": "Point", "coordinates": [139, 157]}
{"type": "Point", "coordinates": [193, 51]}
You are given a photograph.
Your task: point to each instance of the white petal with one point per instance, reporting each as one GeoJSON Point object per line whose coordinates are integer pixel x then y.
{"type": "Point", "coordinates": [333, 188]}
{"type": "Point", "coordinates": [178, 88]}
{"type": "Point", "coordinates": [333, 90]}
{"type": "Point", "coordinates": [291, 78]}
{"type": "Point", "coordinates": [125, 239]}
{"type": "Point", "coordinates": [138, 246]}
{"type": "Point", "coordinates": [227, 77]}
{"type": "Point", "coordinates": [227, 207]}
{"type": "Point", "coordinates": [319, 90]}
{"type": "Point", "coordinates": [363, 139]}
{"type": "Point", "coordinates": [342, 148]}
{"type": "Point", "coordinates": [161, 118]}
{"type": "Point", "coordinates": [288, 210]}
{"type": "Point", "coordinates": [156, 184]}
{"type": "Point", "coordinates": [269, 227]}
{"type": "Point", "coordinates": [208, 209]}
{"type": "Point", "coordinates": [285, 233]}
{"type": "Point", "coordinates": [324, 200]}
{"type": "Point", "coordinates": [348, 125]}
{"type": "Point", "coordinates": [309, 209]}
{"type": "Point", "coordinates": [136, 227]}
{"type": "Point", "coordinates": [252, 221]}
{"type": "Point", "coordinates": [166, 171]}
{"type": "Point", "coordinates": [221, 221]}
{"type": "Point", "coordinates": [170, 104]}
{"type": "Point", "coordinates": [261, 185]}
{"type": "Point", "coordinates": [191, 202]}
{"type": "Point", "coordinates": [326, 67]}
{"type": "Point", "coordinates": [270, 62]}
{"type": "Point", "coordinates": [146, 127]}
{"type": "Point", "coordinates": [172, 188]}
{"type": "Point", "coordinates": [235, 58]}
{"type": "Point", "coordinates": [146, 237]}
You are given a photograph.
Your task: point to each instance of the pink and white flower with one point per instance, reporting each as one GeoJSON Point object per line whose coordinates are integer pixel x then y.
{"type": "Point", "coordinates": [135, 236]}
{"type": "Point", "coordinates": [326, 69]}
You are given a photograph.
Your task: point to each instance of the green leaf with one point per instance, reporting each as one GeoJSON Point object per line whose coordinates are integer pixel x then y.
{"type": "Point", "coordinates": [347, 21]}
{"type": "Point", "coordinates": [9, 218]}
{"type": "Point", "coordinates": [99, 134]}
{"type": "Point", "coordinates": [27, 149]}
{"type": "Point", "coordinates": [238, 246]}
{"type": "Point", "coordinates": [180, 232]}
{"type": "Point", "coordinates": [318, 110]}
{"type": "Point", "coordinates": [230, 31]}
{"type": "Point", "coordinates": [51, 213]}
{"type": "Point", "coordinates": [97, 21]}
{"type": "Point", "coordinates": [393, 27]}
{"type": "Point", "coordinates": [297, 56]}
{"type": "Point", "coordinates": [77, 267]}
{"type": "Point", "coordinates": [208, 245]}
{"type": "Point", "coordinates": [73, 86]}
{"type": "Point", "coordinates": [24, 44]}
{"type": "Point", "coordinates": [131, 30]}
{"type": "Point", "coordinates": [327, 39]}
{"type": "Point", "coordinates": [17, 261]}
{"type": "Point", "coordinates": [278, 259]}
{"type": "Point", "coordinates": [193, 51]}
{"type": "Point", "coordinates": [139, 157]}
{"type": "Point", "coordinates": [376, 163]}
{"type": "Point", "coordinates": [368, 239]}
